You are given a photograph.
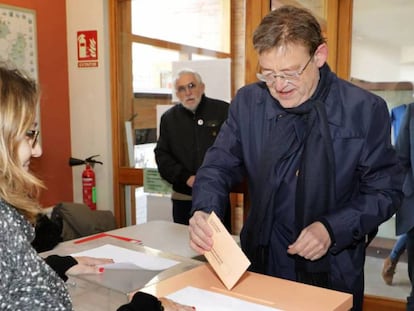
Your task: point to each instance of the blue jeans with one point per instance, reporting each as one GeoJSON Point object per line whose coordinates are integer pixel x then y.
{"type": "Point", "coordinates": [398, 248]}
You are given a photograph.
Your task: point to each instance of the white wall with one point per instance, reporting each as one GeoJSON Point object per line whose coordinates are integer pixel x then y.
{"type": "Point", "coordinates": [407, 73]}
{"type": "Point", "coordinates": [89, 90]}
{"type": "Point", "coordinates": [374, 62]}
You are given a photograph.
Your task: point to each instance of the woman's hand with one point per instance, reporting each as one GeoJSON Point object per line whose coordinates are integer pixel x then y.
{"type": "Point", "coordinates": [88, 265]}
{"type": "Point", "coordinates": [170, 305]}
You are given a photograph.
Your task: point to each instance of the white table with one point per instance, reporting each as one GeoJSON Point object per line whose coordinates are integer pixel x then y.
{"type": "Point", "coordinates": [166, 236]}
{"type": "Point", "coordinates": [159, 238]}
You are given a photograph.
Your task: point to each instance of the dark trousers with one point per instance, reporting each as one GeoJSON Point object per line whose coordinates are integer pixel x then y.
{"type": "Point", "coordinates": [410, 261]}
{"type": "Point", "coordinates": [182, 210]}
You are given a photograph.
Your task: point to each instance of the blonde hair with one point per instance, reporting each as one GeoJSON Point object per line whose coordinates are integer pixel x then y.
{"type": "Point", "coordinates": [19, 97]}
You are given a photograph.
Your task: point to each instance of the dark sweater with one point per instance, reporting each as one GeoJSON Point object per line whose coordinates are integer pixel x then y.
{"type": "Point", "coordinates": [184, 139]}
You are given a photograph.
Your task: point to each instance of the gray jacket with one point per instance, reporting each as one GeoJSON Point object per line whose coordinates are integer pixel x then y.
{"type": "Point", "coordinates": [27, 282]}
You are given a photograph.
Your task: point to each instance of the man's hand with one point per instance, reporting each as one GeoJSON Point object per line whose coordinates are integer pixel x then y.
{"type": "Point", "coordinates": [200, 233]}
{"type": "Point", "coordinates": [190, 181]}
{"type": "Point", "coordinates": [312, 243]}
{"type": "Point", "coordinates": [88, 265]}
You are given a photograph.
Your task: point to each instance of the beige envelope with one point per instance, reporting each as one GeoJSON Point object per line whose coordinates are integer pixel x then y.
{"type": "Point", "coordinates": [226, 257]}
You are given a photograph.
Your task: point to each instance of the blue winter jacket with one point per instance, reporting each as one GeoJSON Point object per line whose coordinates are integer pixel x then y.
{"type": "Point", "coordinates": [368, 175]}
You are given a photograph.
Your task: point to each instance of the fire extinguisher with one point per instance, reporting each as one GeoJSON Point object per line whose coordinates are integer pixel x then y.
{"type": "Point", "coordinates": [88, 179]}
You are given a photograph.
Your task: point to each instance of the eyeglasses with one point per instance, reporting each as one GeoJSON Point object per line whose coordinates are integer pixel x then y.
{"type": "Point", "coordinates": [270, 78]}
{"type": "Point", "coordinates": [33, 136]}
{"type": "Point", "coordinates": [185, 88]}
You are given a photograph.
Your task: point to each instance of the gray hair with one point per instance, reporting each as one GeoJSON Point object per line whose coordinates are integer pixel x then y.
{"type": "Point", "coordinates": [187, 71]}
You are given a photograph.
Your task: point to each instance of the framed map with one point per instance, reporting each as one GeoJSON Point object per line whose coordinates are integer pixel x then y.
{"type": "Point", "coordinates": [18, 40]}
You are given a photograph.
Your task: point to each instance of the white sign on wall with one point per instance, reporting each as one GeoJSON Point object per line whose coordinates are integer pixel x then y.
{"type": "Point", "coordinates": [216, 75]}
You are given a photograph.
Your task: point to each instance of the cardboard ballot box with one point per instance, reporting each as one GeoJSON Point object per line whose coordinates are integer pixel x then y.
{"type": "Point", "coordinates": [253, 288]}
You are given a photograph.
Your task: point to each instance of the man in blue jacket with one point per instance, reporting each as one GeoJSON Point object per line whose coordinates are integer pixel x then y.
{"type": "Point", "coordinates": [316, 150]}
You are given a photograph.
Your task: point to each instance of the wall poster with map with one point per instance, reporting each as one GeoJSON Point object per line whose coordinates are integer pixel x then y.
{"type": "Point", "coordinates": [18, 40]}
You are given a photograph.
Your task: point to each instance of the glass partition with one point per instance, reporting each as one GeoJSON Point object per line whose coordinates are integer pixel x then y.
{"type": "Point", "coordinates": [382, 61]}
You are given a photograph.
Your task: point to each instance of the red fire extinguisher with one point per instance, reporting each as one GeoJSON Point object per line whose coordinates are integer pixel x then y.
{"type": "Point", "coordinates": [88, 180]}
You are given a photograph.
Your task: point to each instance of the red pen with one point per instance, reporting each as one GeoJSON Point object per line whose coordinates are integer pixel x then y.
{"type": "Point", "coordinates": [102, 235]}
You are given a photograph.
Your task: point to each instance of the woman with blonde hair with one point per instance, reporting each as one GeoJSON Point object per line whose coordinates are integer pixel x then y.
{"type": "Point", "coordinates": [29, 282]}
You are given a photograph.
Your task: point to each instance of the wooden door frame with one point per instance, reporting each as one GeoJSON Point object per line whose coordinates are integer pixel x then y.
{"type": "Point", "coordinates": [122, 176]}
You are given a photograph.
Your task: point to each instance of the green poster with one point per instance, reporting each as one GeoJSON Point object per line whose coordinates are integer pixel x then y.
{"type": "Point", "coordinates": [153, 183]}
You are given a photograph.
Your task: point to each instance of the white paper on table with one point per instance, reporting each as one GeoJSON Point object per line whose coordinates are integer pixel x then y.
{"type": "Point", "coordinates": [204, 300]}
{"type": "Point", "coordinates": [128, 259]}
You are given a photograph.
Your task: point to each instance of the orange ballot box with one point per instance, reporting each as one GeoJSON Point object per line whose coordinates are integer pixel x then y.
{"type": "Point", "coordinates": [200, 287]}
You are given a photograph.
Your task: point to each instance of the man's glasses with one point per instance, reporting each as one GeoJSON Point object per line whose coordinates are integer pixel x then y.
{"type": "Point", "coordinates": [185, 88]}
{"type": "Point", "coordinates": [270, 78]}
{"type": "Point", "coordinates": [33, 136]}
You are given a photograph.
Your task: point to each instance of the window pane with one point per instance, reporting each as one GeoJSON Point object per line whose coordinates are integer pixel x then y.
{"type": "Point", "coordinates": [151, 68]}
{"type": "Point", "coordinates": [200, 23]}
